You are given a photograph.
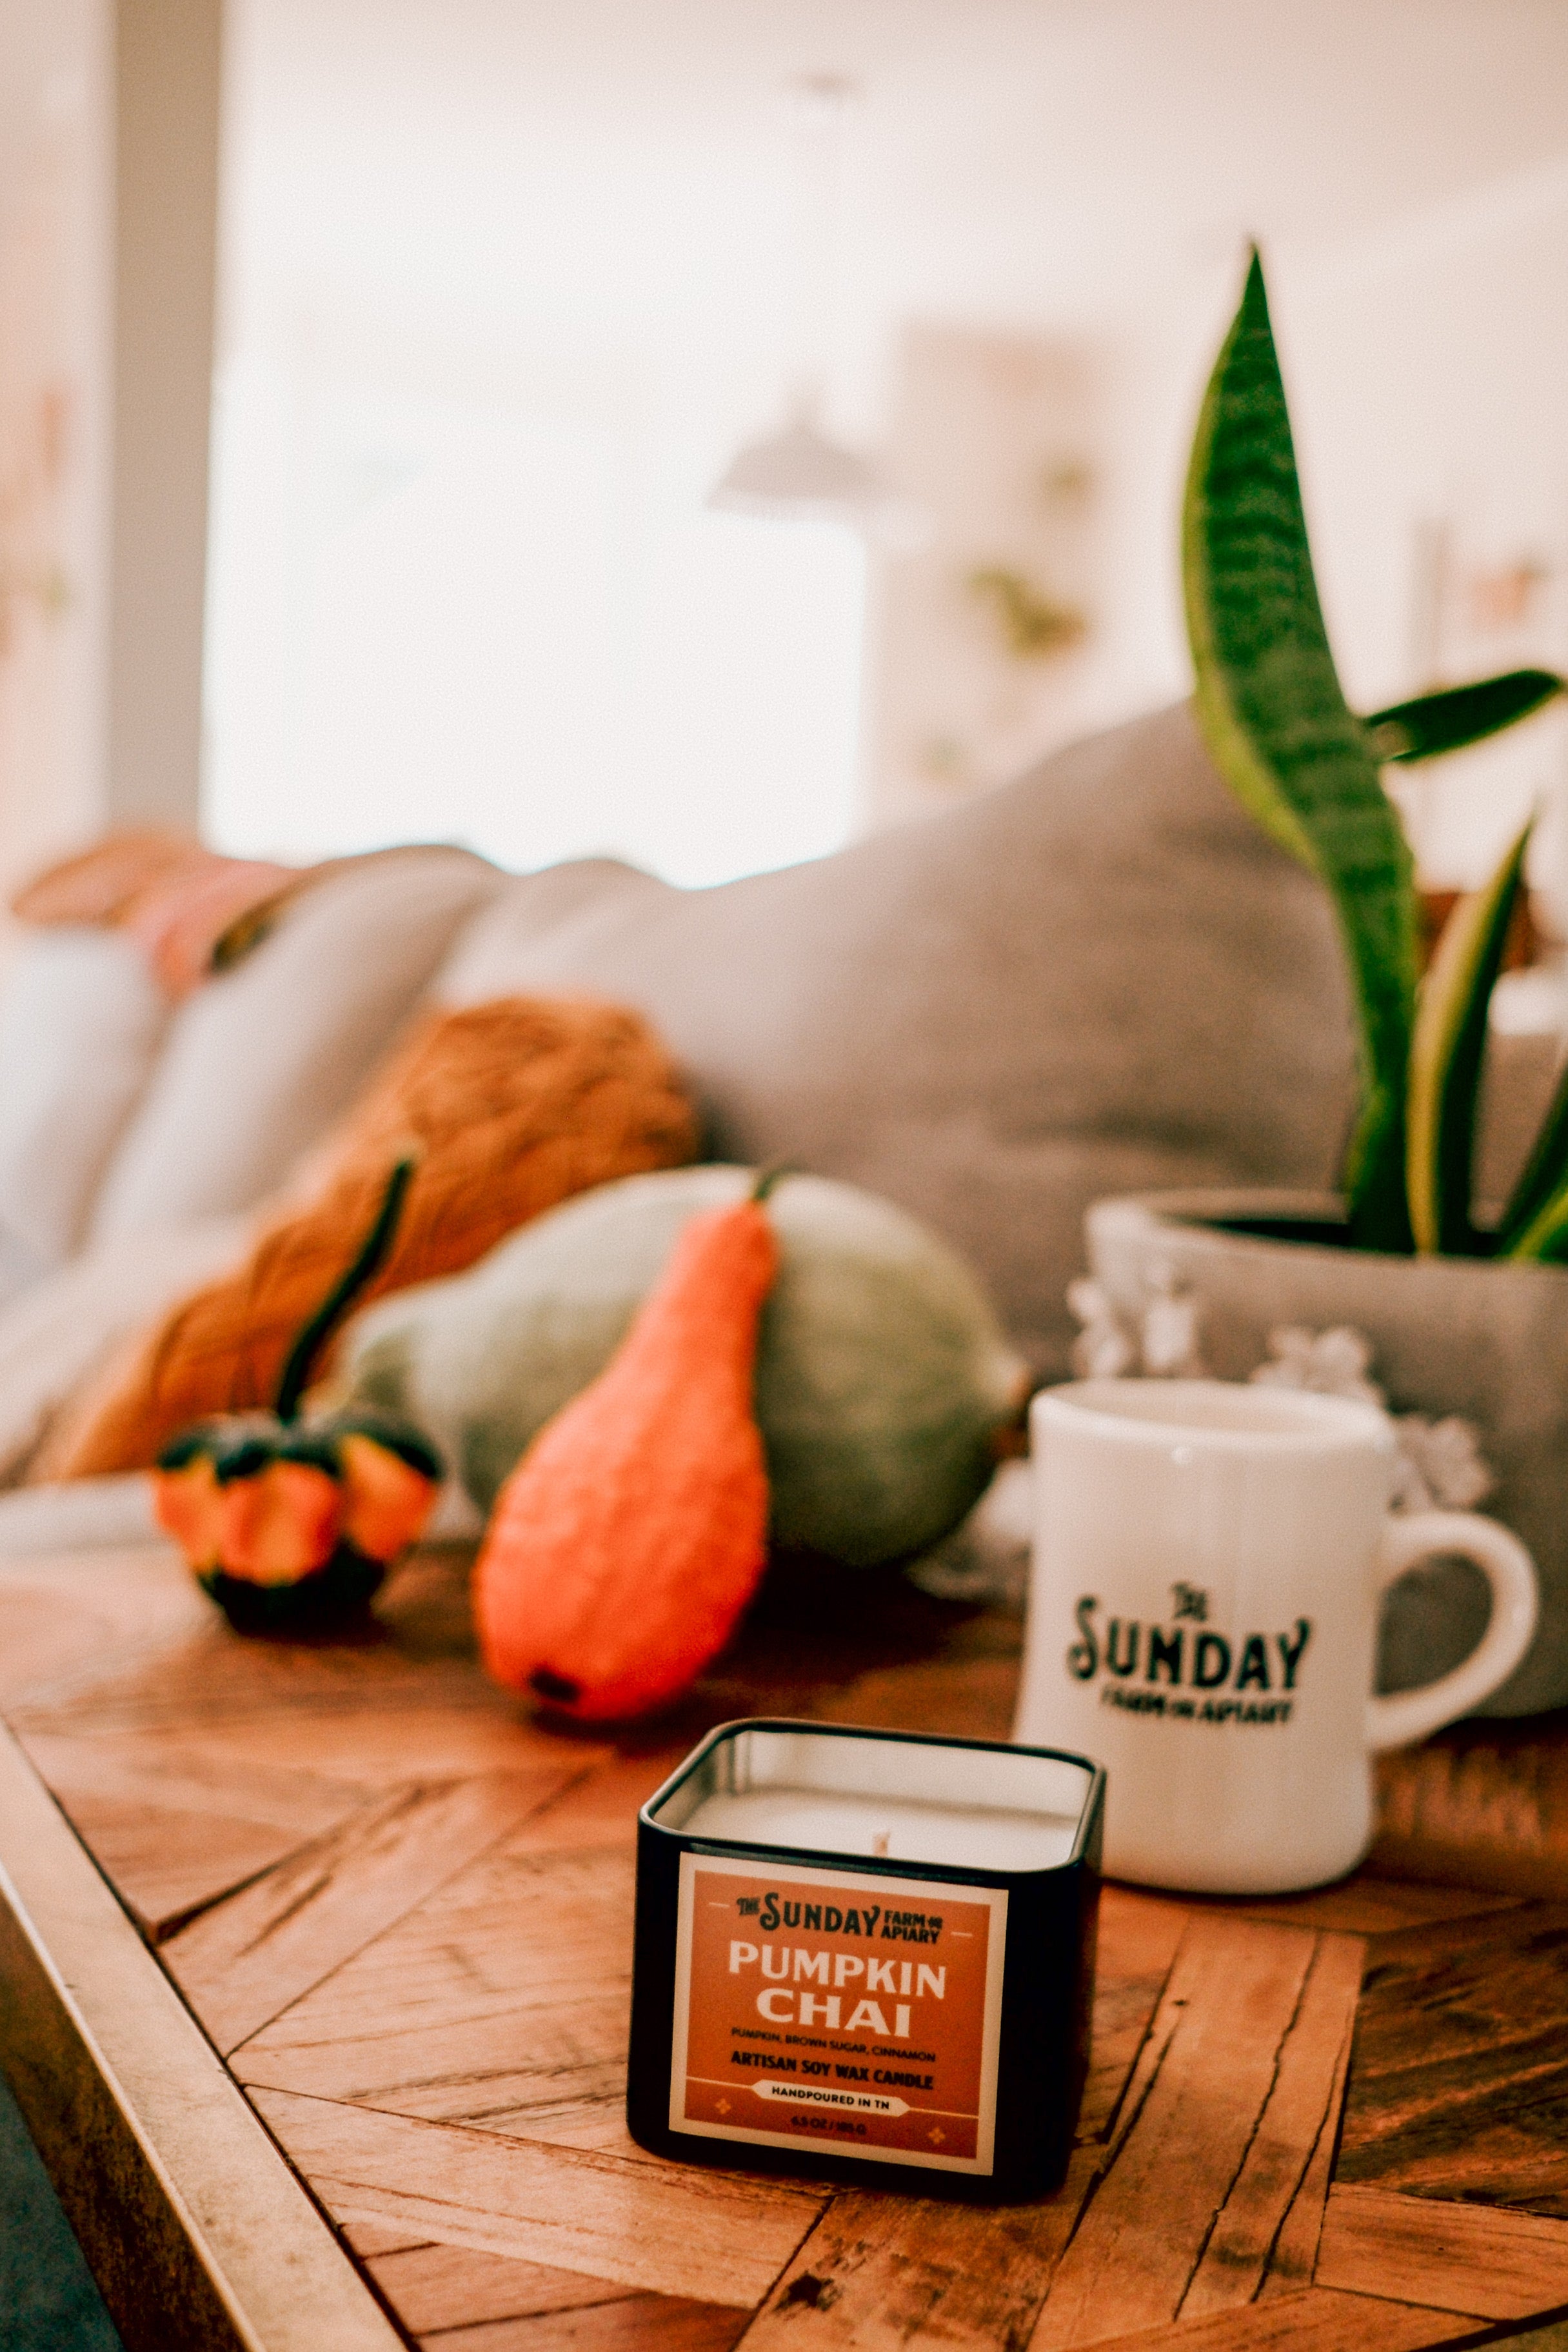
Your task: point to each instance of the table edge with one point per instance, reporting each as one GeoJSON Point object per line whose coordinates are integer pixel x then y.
{"type": "Point", "coordinates": [197, 2231]}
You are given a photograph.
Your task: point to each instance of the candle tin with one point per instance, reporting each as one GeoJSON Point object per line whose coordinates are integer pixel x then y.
{"type": "Point", "coordinates": [869, 1953]}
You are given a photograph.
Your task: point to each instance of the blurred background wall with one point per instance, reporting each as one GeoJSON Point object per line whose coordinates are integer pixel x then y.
{"type": "Point", "coordinates": [109, 193]}
{"type": "Point", "coordinates": [502, 287]}
{"type": "Point", "coordinates": [55, 230]}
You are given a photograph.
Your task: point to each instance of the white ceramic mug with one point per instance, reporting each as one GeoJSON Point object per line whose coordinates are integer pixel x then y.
{"type": "Point", "coordinates": [1203, 1619]}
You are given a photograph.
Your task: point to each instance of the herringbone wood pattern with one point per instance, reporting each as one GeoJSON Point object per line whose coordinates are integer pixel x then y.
{"type": "Point", "coordinates": [402, 1912]}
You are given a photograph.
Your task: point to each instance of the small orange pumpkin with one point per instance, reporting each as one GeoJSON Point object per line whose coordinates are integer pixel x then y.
{"type": "Point", "coordinates": [632, 1534]}
{"type": "Point", "coordinates": [289, 1523]}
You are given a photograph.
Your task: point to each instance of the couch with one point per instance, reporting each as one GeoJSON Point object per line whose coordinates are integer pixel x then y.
{"type": "Point", "coordinates": [1099, 978]}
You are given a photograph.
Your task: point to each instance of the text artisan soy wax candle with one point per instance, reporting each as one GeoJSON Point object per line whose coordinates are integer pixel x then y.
{"type": "Point", "coordinates": [867, 1951]}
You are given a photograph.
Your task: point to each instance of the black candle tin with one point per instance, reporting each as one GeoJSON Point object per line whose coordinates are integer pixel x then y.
{"type": "Point", "coordinates": [868, 1953]}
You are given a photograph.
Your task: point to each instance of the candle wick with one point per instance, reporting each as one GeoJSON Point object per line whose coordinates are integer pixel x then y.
{"type": "Point", "coordinates": [880, 1841]}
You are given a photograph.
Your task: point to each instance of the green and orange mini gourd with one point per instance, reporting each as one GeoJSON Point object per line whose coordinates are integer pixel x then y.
{"type": "Point", "coordinates": [289, 1523]}
{"type": "Point", "coordinates": [632, 1534]}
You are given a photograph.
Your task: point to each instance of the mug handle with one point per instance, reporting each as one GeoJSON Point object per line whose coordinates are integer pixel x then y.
{"type": "Point", "coordinates": [1395, 1720]}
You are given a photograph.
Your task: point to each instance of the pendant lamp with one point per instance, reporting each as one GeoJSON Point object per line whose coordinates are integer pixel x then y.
{"type": "Point", "coordinates": [799, 473]}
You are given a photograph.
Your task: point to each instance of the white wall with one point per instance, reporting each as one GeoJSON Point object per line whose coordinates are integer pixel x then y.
{"type": "Point", "coordinates": [108, 153]}
{"type": "Point", "coordinates": [1430, 372]}
{"type": "Point", "coordinates": [999, 444]}
{"type": "Point", "coordinates": [55, 102]}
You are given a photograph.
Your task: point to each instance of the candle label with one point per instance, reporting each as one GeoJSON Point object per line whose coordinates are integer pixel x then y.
{"type": "Point", "coordinates": [830, 2008]}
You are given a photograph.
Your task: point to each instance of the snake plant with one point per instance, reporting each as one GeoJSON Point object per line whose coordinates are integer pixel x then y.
{"type": "Point", "coordinates": [1309, 768]}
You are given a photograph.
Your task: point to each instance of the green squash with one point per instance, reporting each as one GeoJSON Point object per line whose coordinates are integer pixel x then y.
{"type": "Point", "coordinates": [882, 1372]}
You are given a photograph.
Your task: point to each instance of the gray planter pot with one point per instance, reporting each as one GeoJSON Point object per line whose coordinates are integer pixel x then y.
{"type": "Point", "coordinates": [1448, 1335]}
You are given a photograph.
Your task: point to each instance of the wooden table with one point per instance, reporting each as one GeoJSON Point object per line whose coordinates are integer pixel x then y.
{"type": "Point", "coordinates": [330, 2054]}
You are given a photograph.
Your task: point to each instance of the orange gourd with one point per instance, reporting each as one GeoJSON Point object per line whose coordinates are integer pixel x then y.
{"type": "Point", "coordinates": [289, 1523]}
{"type": "Point", "coordinates": [634, 1532]}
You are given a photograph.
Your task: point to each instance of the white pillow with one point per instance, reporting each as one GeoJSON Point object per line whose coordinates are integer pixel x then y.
{"type": "Point", "coordinates": [263, 1058]}
{"type": "Point", "coordinates": [57, 1331]}
{"type": "Point", "coordinates": [81, 1020]}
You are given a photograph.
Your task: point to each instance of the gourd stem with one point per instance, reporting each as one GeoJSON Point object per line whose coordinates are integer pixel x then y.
{"type": "Point", "coordinates": [372, 1252]}
{"type": "Point", "coordinates": [768, 1177]}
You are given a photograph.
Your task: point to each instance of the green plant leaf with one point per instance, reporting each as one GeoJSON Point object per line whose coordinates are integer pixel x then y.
{"type": "Point", "coordinates": [1446, 1058]}
{"type": "Point", "coordinates": [1281, 734]}
{"type": "Point", "coordinates": [1535, 1223]}
{"type": "Point", "coordinates": [368, 1261]}
{"type": "Point", "coordinates": [1546, 1174]}
{"type": "Point", "coordinates": [1432, 724]}
{"type": "Point", "coordinates": [1546, 1235]}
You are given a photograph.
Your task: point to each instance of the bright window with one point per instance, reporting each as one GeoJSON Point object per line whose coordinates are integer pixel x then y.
{"type": "Point", "coordinates": [449, 623]}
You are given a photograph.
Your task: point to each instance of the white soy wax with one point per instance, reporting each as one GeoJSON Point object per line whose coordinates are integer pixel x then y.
{"type": "Point", "coordinates": [885, 1828]}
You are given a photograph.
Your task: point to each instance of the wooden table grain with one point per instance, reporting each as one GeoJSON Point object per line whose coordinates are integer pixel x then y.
{"type": "Point", "coordinates": [400, 1909]}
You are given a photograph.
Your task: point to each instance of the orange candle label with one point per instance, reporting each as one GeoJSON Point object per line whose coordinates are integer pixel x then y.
{"type": "Point", "coordinates": [851, 2013]}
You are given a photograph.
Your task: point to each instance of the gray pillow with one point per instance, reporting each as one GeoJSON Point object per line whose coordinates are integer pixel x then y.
{"type": "Point", "coordinates": [1103, 978]}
